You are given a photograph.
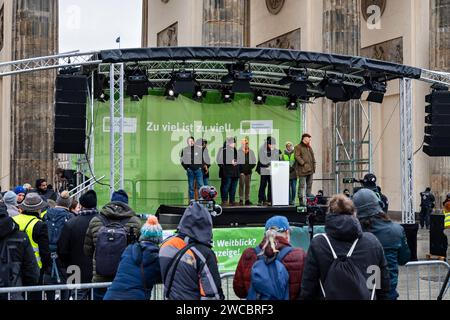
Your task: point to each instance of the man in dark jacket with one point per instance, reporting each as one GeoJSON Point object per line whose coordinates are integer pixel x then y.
{"type": "Point", "coordinates": [306, 167]}
{"type": "Point", "coordinates": [294, 261]}
{"type": "Point", "coordinates": [71, 242]}
{"type": "Point", "coordinates": [115, 211]}
{"type": "Point", "coordinates": [192, 162]}
{"type": "Point", "coordinates": [247, 162]}
{"type": "Point", "coordinates": [44, 191]}
{"type": "Point", "coordinates": [267, 154]}
{"type": "Point", "coordinates": [206, 160]}
{"type": "Point", "coordinates": [427, 203]}
{"type": "Point", "coordinates": [196, 276]}
{"type": "Point", "coordinates": [16, 252]}
{"type": "Point", "coordinates": [343, 229]}
{"type": "Point", "coordinates": [391, 235]}
{"type": "Point", "coordinates": [228, 159]}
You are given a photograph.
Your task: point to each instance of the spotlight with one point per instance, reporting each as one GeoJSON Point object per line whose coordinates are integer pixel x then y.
{"type": "Point", "coordinates": [337, 91]}
{"type": "Point", "coordinates": [377, 93]}
{"type": "Point", "coordinates": [135, 98]}
{"type": "Point", "coordinates": [170, 93]}
{"type": "Point", "coordinates": [100, 84]}
{"type": "Point", "coordinates": [227, 96]}
{"type": "Point", "coordinates": [137, 82]}
{"type": "Point", "coordinates": [299, 82]}
{"type": "Point", "coordinates": [240, 75]}
{"type": "Point", "coordinates": [184, 82]}
{"type": "Point", "coordinates": [292, 103]}
{"type": "Point", "coordinates": [259, 98]}
{"type": "Point", "coordinates": [199, 94]}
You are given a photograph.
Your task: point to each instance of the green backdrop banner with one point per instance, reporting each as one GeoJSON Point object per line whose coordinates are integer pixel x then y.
{"type": "Point", "coordinates": [156, 130]}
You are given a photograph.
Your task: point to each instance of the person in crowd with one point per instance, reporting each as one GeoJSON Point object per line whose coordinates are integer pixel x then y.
{"type": "Point", "coordinates": [370, 182]}
{"type": "Point", "coordinates": [43, 190]}
{"type": "Point", "coordinates": [192, 161]}
{"type": "Point", "coordinates": [17, 261]}
{"type": "Point", "coordinates": [246, 162]}
{"type": "Point", "coordinates": [227, 158]}
{"type": "Point", "coordinates": [20, 192]}
{"type": "Point", "coordinates": [276, 242]}
{"type": "Point", "coordinates": [115, 218]}
{"type": "Point", "coordinates": [74, 207]}
{"type": "Point", "coordinates": [347, 193]}
{"type": "Point", "coordinates": [29, 222]}
{"type": "Point", "coordinates": [188, 265]}
{"type": "Point", "coordinates": [120, 196]}
{"type": "Point", "coordinates": [28, 188]}
{"type": "Point", "coordinates": [306, 167]}
{"type": "Point", "coordinates": [321, 199]}
{"type": "Point", "coordinates": [289, 155]}
{"type": "Point", "coordinates": [343, 237]}
{"type": "Point", "coordinates": [446, 212]}
{"type": "Point", "coordinates": [267, 154]}
{"type": "Point", "coordinates": [10, 199]}
{"type": "Point", "coordinates": [391, 235]}
{"type": "Point", "coordinates": [71, 242]}
{"type": "Point", "coordinates": [427, 203]}
{"type": "Point", "coordinates": [139, 268]}
{"type": "Point", "coordinates": [206, 160]}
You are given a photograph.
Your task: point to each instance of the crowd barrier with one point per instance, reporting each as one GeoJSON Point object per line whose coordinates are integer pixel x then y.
{"type": "Point", "coordinates": [85, 291]}
{"type": "Point", "coordinates": [427, 280]}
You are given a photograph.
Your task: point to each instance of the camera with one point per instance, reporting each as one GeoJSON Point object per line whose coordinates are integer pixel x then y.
{"type": "Point", "coordinates": [207, 196]}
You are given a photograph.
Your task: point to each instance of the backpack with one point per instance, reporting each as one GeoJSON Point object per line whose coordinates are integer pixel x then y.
{"type": "Point", "coordinates": [112, 239]}
{"type": "Point", "coordinates": [344, 280]}
{"type": "Point", "coordinates": [269, 277]}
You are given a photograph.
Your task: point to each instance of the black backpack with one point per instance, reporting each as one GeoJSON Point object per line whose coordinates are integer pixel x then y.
{"type": "Point", "coordinates": [344, 280]}
{"type": "Point", "coordinates": [112, 239]}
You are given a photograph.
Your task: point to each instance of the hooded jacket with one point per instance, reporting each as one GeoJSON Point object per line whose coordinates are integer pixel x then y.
{"type": "Point", "coordinates": [306, 162]}
{"type": "Point", "coordinates": [138, 272]}
{"type": "Point", "coordinates": [343, 230]}
{"type": "Point", "coordinates": [22, 264]}
{"type": "Point", "coordinates": [197, 275]}
{"type": "Point", "coordinates": [112, 211]}
{"type": "Point", "coordinates": [294, 263]}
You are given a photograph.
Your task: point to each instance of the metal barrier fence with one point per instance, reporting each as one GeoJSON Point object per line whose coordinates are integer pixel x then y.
{"type": "Point", "coordinates": [85, 291]}
{"type": "Point", "coordinates": [430, 280]}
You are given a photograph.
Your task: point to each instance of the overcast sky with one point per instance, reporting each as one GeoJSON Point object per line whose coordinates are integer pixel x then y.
{"type": "Point", "coordinates": [87, 25]}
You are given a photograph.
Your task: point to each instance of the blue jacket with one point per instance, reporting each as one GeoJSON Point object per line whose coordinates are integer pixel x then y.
{"type": "Point", "coordinates": [393, 239]}
{"type": "Point", "coordinates": [129, 283]}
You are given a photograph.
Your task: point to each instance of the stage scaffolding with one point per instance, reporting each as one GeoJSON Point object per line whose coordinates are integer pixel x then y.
{"type": "Point", "coordinates": [352, 156]}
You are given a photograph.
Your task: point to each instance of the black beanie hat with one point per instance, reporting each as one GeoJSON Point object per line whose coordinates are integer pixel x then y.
{"type": "Point", "coordinates": [89, 200]}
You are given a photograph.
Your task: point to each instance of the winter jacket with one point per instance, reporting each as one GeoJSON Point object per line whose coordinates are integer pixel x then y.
{"type": "Point", "coordinates": [71, 244]}
{"type": "Point", "coordinates": [393, 239]}
{"type": "Point", "coordinates": [192, 157]}
{"type": "Point", "coordinates": [246, 161]}
{"type": "Point", "coordinates": [40, 237]}
{"type": "Point", "coordinates": [306, 162]}
{"type": "Point", "coordinates": [225, 158]}
{"type": "Point", "coordinates": [342, 230]}
{"type": "Point", "coordinates": [290, 156]}
{"type": "Point", "coordinates": [197, 275]}
{"type": "Point", "coordinates": [113, 211]}
{"type": "Point", "coordinates": [22, 265]}
{"type": "Point", "coordinates": [294, 263]}
{"type": "Point", "coordinates": [427, 200]}
{"type": "Point", "coordinates": [138, 268]}
{"type": "Point", "coordinates": [266, 156]}
{"type": "Point", "coordinates": [49, 194]}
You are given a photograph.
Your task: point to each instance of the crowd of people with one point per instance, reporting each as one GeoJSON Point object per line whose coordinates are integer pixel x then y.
{"type": "Point", "coordinates": [112, 245]}
{"type": "Point", "coordinates": [236, 168]}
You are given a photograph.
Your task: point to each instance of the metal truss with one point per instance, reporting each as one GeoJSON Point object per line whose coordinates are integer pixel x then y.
{"type": "Point", "coordinates": [353, 151]}
{"type": "Point", "coordinates": [116, 123]}
{"type": "Point", "coordinates": [66, 60]}
{"type": "Point", "coordinates": [435, 77]}
{"type": "Point", "coordinates": [406, 152]}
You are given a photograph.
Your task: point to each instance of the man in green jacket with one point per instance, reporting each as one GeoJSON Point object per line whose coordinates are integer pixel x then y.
{"type": "Point", "coordinates": [305, 167]}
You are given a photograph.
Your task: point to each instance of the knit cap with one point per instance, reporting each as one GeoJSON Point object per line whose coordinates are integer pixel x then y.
{"type": "Point", "coordinates": [151, 231]}
{"type": "Point", "coordinates": [64, 200]}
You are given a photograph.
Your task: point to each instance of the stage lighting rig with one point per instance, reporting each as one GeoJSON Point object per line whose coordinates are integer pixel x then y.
{"type": "Point", "coordinates": [227, 96]}
{"type": "Point", "coordinates": [259, 98]}
{"type": "Point", "coordinates": [137, 83]}
{"type": "Point", "coordinates": [240, 75]}
{"type": "Point", "coordinates": [292, 103]}
{"type": "Point", "coordinates": [299, 82]}
{"type": "Point", "coordinates": [378, 90]}
{"type": "Point", "coordinates": [199, 94]}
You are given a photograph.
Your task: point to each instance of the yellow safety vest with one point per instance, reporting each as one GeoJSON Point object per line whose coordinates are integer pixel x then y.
{"type": "Point", "coordinates": [26, 224]}
{"type": "Point", "coordinates": [447, 220]}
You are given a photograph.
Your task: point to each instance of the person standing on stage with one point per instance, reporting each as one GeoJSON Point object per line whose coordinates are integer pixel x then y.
{"type": "Point", "coordinates": [191, 160]}
{"type": "Point", "coordinates": [227, 159]}
{"type": "Point", "coordinates": [267, 154]}
{"type": "Point", "coordinates": [247, 162]}
{"type": "Point", "coordinates": [206, 161]}
{"type": "Point", "coordinates": [288, 155]}
{"type": "Point", "coordinates": [305, 167]}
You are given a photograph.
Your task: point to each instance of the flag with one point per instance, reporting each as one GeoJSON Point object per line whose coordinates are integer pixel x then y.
{"type": "Point", "coordinates": [118, 40]}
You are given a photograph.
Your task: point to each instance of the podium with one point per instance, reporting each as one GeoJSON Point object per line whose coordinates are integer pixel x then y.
{"type": "Point", "coordinates": [280, 183]}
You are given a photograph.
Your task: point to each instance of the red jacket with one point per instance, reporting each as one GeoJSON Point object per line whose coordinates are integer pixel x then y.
{"type": "Point", "coordinates": [294, 263]}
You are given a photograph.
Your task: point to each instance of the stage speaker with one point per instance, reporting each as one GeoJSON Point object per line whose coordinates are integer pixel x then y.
{"type": "Point", "coordinates": [70, 114]}
{"type": "Point", "coordinates": [438, 240]}
{"type": "Point", "coordinates": [411, 237]}
{"type": "Point", "coordinates": [437, 120]}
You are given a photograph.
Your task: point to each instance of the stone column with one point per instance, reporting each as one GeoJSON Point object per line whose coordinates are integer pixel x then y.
{"type": "Point", "coordinates": [35, 34]}
{"type": "Point", "coordinates": [144, 41]}
{"type": "Point", "coordinates": [341, 35]}
{"type": "Point", "coordinates": [225, 23]}
{"type": "Point", "coordinates": [440, 60]}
